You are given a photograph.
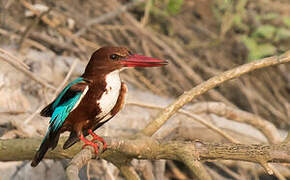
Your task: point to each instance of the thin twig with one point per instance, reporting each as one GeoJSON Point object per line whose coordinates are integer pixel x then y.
{"type": "Point", "coordinates": [68, 75]}
{"type": "Point", "coordinates": [176, 171]}
{"type": "Point", "coordinates": [129, 172]}
{"type": "Point", "coordinates": [145, 18]}
{"type": "Point", "coordinates": [37, 111]}
{"type": "Point", "coordinates": [191, 115]}
{"type": "Point", "coordinates": [229, 171]}
{"type": "Point", "coordinates": [25, 70]}
{"type": "Point", "coordinates": [147, 82]}
{"type": "Point", "coordinates": [30, 27]}
{"type": "Point", "coordinates": [108, 16]}
{"type": "Point", "coordinates": [14, 58]}
{"type": "Point", "coordinates": [64, 31]}
{"type": "Point", "coordinates": [57, 91]}
{"type": "Point", "coordinates": [28, 41]}
{"type": "Point", "coordinates": [53, 42]}
{"type": "Point", "coordinates": [221, 109]}
{"type": "Point", "coordinates": [276, 172]}
{"type": "Point", "coordinates": [159, 170]}
{"type": "Point", "coordinates": [187, 70]}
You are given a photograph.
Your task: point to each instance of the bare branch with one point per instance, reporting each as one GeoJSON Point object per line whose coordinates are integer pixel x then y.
{"type": "Point", "coordinates": [30, 27]}
{"type": "Point", "coordinates": [145, 18]}
{"type": "Point", "coordinates": [159, 170]}
{"type": "Point", "coordinates": [147, 148]}
{"type": "Point", "coordinates": [276, 172]}
{"type": "Point", "coordinates": [81, 159]}
{"type": "Point", "coordinates": [60, 87]}
{"type": "Point", "coordinates": [129, 172]}
{"type": "Point", "coordinates": [188, 96]}
{"type": "Point", "coordinates": [195, 117]}
{"type": "Point", "coordinates": [287, 139]}
{"type": "Point", "coordinates": [28, 41]}
{"type": "Point", "coordinates": [64, 31]}
{"type": "Point", "coordinates": [108, 16]}
{"type": "Point", "coordinates": [221, 109]}
{"type": "Point", "coordinates": [196, 167]}
{"type": "Point", "coordinates": [65, 80]}
{"type": "Point", "coordinates": [23, 69]}
{"type": "Point", "coordinates": [177, 172]}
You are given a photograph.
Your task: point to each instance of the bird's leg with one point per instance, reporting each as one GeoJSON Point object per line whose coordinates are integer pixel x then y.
{"type": "Point", "coordinates": [96, 137]}
{"type": "Point", "coordinates": [89, 143]}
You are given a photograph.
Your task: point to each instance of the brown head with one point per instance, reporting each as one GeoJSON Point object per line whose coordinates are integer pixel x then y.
{"type": "Point", "coordinates": [108, 59]}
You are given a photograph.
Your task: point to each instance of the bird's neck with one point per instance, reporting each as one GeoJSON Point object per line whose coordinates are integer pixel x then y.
{"type": "Point", "coordinates": [99, 77]}
{"type": "Point", "coordinates": [113, 78]}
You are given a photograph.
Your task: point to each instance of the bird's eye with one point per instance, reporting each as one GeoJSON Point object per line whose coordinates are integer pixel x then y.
{"type": "Point", "coordinates": [114, 56]}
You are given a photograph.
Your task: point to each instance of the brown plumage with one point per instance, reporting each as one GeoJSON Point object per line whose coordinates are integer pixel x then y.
{"type": "Point", "coordinates": [91, 100]}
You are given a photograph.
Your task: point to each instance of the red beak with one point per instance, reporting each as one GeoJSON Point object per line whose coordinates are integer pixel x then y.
{"type": "Point", "coordinates": [136, 60]}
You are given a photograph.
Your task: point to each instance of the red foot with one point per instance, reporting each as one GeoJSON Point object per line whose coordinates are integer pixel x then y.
{"type": "Point", "coordinates": [96, 137]}
{"type": "Point", "coordinates": [89, 143]}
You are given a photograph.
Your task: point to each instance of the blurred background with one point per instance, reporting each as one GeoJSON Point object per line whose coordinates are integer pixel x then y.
{"type": "Point", "coordinates": [53, 40]}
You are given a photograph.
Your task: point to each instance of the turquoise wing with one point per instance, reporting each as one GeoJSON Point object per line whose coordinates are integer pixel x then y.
{"type": "Point", "coordinates": [66, 94]}
{"type": "Point", "coordinates": [59, 109]}
{"type": "Point", "coordinates": [63, 104]}
{"type": "Point", "coordinates": [61, 112]}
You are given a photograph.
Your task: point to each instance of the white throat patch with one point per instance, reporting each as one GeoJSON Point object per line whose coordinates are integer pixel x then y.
{"type": "Point", "coordinates": [109, 98]}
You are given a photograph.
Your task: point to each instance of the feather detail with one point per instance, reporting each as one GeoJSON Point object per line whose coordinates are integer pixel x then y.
{"type": "Point", "coordinates": [47, 111]}
{"type": "Point", "coordinates": [49, 141]}
{"type": "Point", "coordinates": [59, 109]}
{"type": "Point", "coordinates": [72, 139]}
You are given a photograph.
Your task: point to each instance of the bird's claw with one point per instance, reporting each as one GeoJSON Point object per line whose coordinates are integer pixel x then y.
{"type": "Point", "coordinates": [90, 143]}
{"type": "Point", "coordinates": [94, 145]}
{"type": "Point", "coordinates": [98, 138]}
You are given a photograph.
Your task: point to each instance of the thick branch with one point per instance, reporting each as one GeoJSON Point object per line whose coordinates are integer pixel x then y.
{"type": "Point", "coordinates": [77, 163]}
{"type": "Point", "coordinates": [188, 96]}
{"type": "Point", "coordinates": [147, 148]}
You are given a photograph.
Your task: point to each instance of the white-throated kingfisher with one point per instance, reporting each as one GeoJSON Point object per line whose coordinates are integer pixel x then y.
{"type": "Point", "coordinates": [91, 100]}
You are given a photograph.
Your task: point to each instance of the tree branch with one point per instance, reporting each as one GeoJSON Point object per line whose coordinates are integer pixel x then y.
{"type": "Point", "coordinates": [188, 96]}
{"type": "Point", "coordinates": [195, 117]}
{"type": "Point", "coordinates": [107, 16]}
{"type": "Point", "coordinates": [148, 148]}
{"type": "Point", "coordinates": [19, 65]}
{"type": "Point", "coordinates": [129, 172]}
{"type": "Point", "coordinates": [81, 159]}
{"type": "Point", "coordinates": [221, 109]}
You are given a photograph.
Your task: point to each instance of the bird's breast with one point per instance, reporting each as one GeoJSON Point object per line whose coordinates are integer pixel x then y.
{"type": "Point", "coordinates": [109, 98]}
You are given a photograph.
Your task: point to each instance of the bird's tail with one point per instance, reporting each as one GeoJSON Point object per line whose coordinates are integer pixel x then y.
{"type": "Point", "coordinates": [49, 141]}
{"type": "Point", "coordinates": [72, 139]}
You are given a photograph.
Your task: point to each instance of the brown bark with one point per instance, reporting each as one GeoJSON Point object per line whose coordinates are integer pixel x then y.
{"type": "Point", "coordinates": [147, 148]}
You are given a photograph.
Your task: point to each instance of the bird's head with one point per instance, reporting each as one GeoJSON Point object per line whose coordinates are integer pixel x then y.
{"type": "Point", "coordinates": [108, 59]}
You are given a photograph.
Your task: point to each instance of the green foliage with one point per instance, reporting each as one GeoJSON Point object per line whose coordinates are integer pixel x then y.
{"type": "Point", "coordinates": [165, 8]}
{"type": "Point", "coordinates": [265, 31]}
{"type": "Point", "coordinates": [256, 50]}
{"type": "Point", "coordinates": [230, 13]}
{"type": "Point", "coordinates": [260, 43]}
{"type": "Point", "coordinates": [270, 16]}
{"type": "Point", "coordinates": [263, 40]}
{"type": "Point", "coordinates": [286, 20]}
{"type": "Point", "coordinates": [173, 6]}
{"type": "Point", "coordinates": [282, 34]}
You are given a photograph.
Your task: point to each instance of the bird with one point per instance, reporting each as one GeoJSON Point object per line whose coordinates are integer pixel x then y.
{"type": "Point", "coordinates": [91, 100]}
